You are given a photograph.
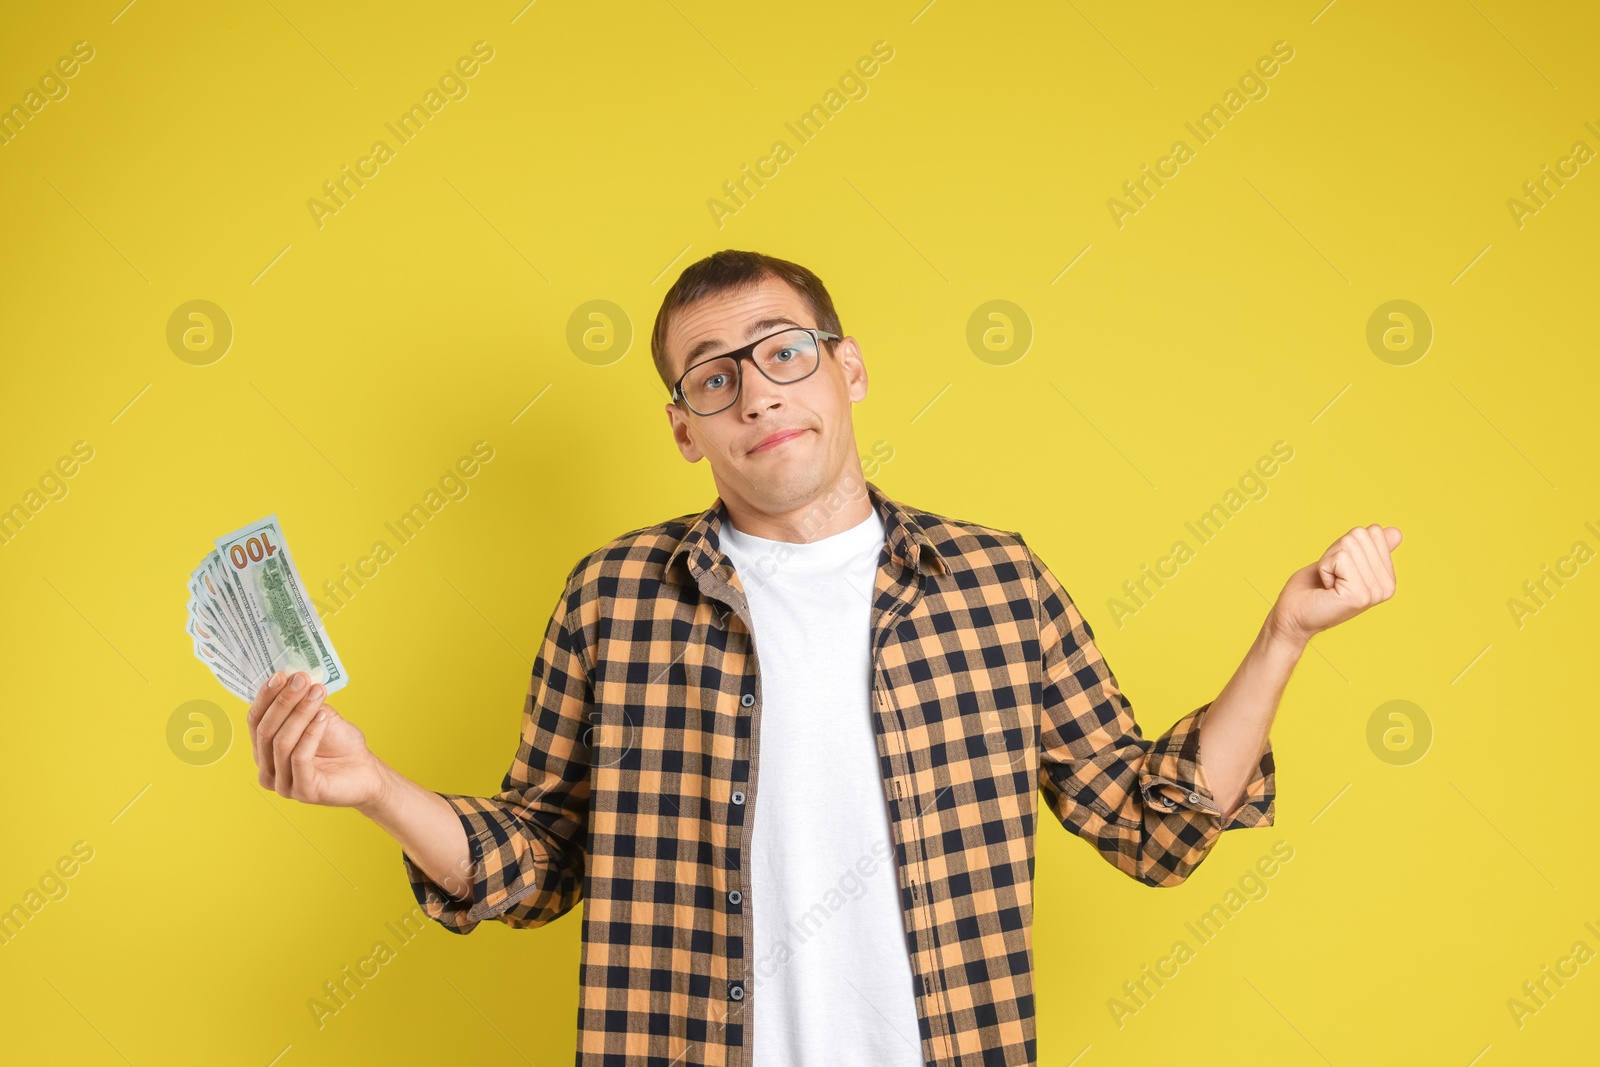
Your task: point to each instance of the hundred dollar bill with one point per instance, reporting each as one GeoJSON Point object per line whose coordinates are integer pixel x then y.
{"type": "Point", "coordinates": [229, 684]}
{"type": "Point", "coordinates": [208, 616]}
{"type": "Point", "coordinates": [236, 675]}
{"type": "Point", "coordinates": [209, 588]}
{"type": "Point", "coordinates": [217, 643]}
{"type": "Point", "coordinates": [228, 676]}
{"type": "Point", "coordinates": [209, 647]}
{"type": "Point", "coordinates": [280, 627]}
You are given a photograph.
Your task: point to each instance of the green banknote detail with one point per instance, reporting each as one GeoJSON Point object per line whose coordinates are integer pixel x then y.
{"type": "Point", "coordinates": [279, 620]}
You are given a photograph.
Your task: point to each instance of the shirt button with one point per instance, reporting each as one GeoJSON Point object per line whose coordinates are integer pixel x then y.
{"type": "Point", "coordinates": [1194, 798]}
{"type": "Point", "coordinates": [738, 797]}
{"type": "Point", "coordinates": [735, 991]}
{"type": "Point", "coordinates": [734, 896]}
{"type": "Point", "coordinates": [747, 699]}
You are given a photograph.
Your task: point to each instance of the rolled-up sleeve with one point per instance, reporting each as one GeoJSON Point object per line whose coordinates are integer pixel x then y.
{"type": "Point", "coordinates": [526, 843]}
{"type": "Point", "coordinates": [1144, 805]}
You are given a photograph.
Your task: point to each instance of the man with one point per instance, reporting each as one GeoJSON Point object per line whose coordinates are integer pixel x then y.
{"type": "Point", "coordinates": [822, 854]}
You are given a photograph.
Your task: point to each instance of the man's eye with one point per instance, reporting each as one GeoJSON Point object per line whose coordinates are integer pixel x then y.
{"type": "Point", "coordinates": [715, 381]}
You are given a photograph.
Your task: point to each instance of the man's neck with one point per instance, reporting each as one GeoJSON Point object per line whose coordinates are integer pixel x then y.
{"type": "Point", "coordinates": [835, 509]}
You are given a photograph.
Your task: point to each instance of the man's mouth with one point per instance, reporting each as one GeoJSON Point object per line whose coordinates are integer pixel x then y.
{"type": "Point", "coordinates": [777, 439]}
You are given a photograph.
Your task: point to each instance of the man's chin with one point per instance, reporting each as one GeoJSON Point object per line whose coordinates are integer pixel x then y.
{"type": "Point", "coordinates": [795, 486]}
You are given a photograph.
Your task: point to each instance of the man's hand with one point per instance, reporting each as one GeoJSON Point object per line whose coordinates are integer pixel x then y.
{"type": "Point", "coordinates": [306, 751]}
{"type": "Point", "coordinates": [1355, 573]}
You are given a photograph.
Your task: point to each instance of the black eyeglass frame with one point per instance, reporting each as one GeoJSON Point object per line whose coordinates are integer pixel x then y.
{"type": "Point", "coordinates": [748, 352]}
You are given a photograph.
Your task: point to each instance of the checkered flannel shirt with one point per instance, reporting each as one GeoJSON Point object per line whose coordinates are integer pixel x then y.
{"type": "Point", "coordinates": [633, 785]}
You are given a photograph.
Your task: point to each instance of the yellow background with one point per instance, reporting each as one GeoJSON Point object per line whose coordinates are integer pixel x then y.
{"type": "Point", "coordinates": [370, 353]}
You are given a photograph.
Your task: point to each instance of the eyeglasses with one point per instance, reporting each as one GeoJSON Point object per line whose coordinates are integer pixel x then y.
{"type": "Point", "coordinates": [784, 357]}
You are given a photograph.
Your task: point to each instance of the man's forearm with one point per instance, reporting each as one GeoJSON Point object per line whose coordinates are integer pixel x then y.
{"type": "Point", "coordinates": [1237, 723]}
{"type": "Point", "coordinates": [427, 827]}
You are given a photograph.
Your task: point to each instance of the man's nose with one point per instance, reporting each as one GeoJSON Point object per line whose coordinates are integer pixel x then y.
{"type": "Point", "coordinates": [758, 393]}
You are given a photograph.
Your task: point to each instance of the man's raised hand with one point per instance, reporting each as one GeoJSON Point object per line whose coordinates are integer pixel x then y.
{"type": "Point", "coordinates": [1355, 573]}
{"type": "Point", "coordinates": [306, 750]}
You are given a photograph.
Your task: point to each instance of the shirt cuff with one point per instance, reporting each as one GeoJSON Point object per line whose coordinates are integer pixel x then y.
{"type": "Point", "coordinates": [1173, 778]}
{"type": "Point", "coordinates": [478, 818]}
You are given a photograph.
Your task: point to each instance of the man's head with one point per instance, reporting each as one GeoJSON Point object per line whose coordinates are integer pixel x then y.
{"type": "Point", "coordinates": [722, 303]}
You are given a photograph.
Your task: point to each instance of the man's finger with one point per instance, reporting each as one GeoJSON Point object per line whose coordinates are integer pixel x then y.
{"type": "Point", "coordinates": [1377, 546]}
{"type": "Point", "coordinates": [289, 734]}
{"type": "Point", "coordinates": [305, 750]}
{"type": "Point", "coordinates": [1333, 565]}
{"type": "Point", "coordinates": [289, 696]}
{"type": "Point", "coordinates": [1361, 553]}
{"type": "Point", "coordinates": [264, 696]}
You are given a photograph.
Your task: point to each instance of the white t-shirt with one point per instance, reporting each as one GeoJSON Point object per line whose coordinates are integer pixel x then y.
{"type": "Point", "coordinates": [832, 985]}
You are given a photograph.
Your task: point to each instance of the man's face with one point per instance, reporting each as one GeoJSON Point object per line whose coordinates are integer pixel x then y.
{"type": "Point", "coordinates": [786, 476]}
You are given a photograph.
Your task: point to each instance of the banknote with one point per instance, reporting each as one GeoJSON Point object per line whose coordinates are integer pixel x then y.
{"type": "Point", "coordinates": [206, 614]}
{"type": "Point", "coordinates": [225, 606]}
{"type": "Point", "coordinates": [249, 615]}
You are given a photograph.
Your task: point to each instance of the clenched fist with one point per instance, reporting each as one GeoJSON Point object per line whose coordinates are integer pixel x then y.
{"type": "Point", "coordinates": [306, 750]}
{"type": "Point", "coordinates": [1354, 573]}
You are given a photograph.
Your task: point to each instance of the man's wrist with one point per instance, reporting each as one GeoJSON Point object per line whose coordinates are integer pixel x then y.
{"type": "Point", "coordinates": [1283, 637]}
{"type": "Point", "coordinates": [380, 807]}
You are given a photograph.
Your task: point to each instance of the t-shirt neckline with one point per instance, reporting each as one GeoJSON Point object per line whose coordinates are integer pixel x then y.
{"type": "Point", "coordinates": [834, 548]}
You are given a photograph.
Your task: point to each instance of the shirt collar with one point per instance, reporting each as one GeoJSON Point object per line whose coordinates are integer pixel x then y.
{"type": "Point", "coordinates": [905, 531]}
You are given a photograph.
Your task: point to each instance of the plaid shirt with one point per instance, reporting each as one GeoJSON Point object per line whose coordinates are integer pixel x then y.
{"type": "Point", "coordinates": [633, 785]}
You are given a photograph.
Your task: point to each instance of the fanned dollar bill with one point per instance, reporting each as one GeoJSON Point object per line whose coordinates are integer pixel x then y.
{"type": "Point", "coordinates": [249, 615]}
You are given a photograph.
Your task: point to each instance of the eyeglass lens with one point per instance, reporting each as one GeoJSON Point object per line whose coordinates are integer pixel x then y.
{"type": "Point", "coordinates": [784, 357]}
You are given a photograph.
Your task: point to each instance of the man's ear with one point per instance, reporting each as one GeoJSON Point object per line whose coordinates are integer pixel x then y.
{"type": "Point", "coordinates": [679, 425]}
{"type": "Point", "coordinates": [854, 365]}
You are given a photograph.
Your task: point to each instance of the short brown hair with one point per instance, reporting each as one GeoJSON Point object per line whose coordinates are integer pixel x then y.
{"type": "Point", "coordinates": [734, 269]}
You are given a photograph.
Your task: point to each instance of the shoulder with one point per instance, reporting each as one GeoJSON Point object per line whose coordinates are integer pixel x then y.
{"type": "Point", "coordinates": [616, 577]}
{"type": "Point", "coordinates": [973, 547]}
{"type": "Point", "coordinates": [637, 554]}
